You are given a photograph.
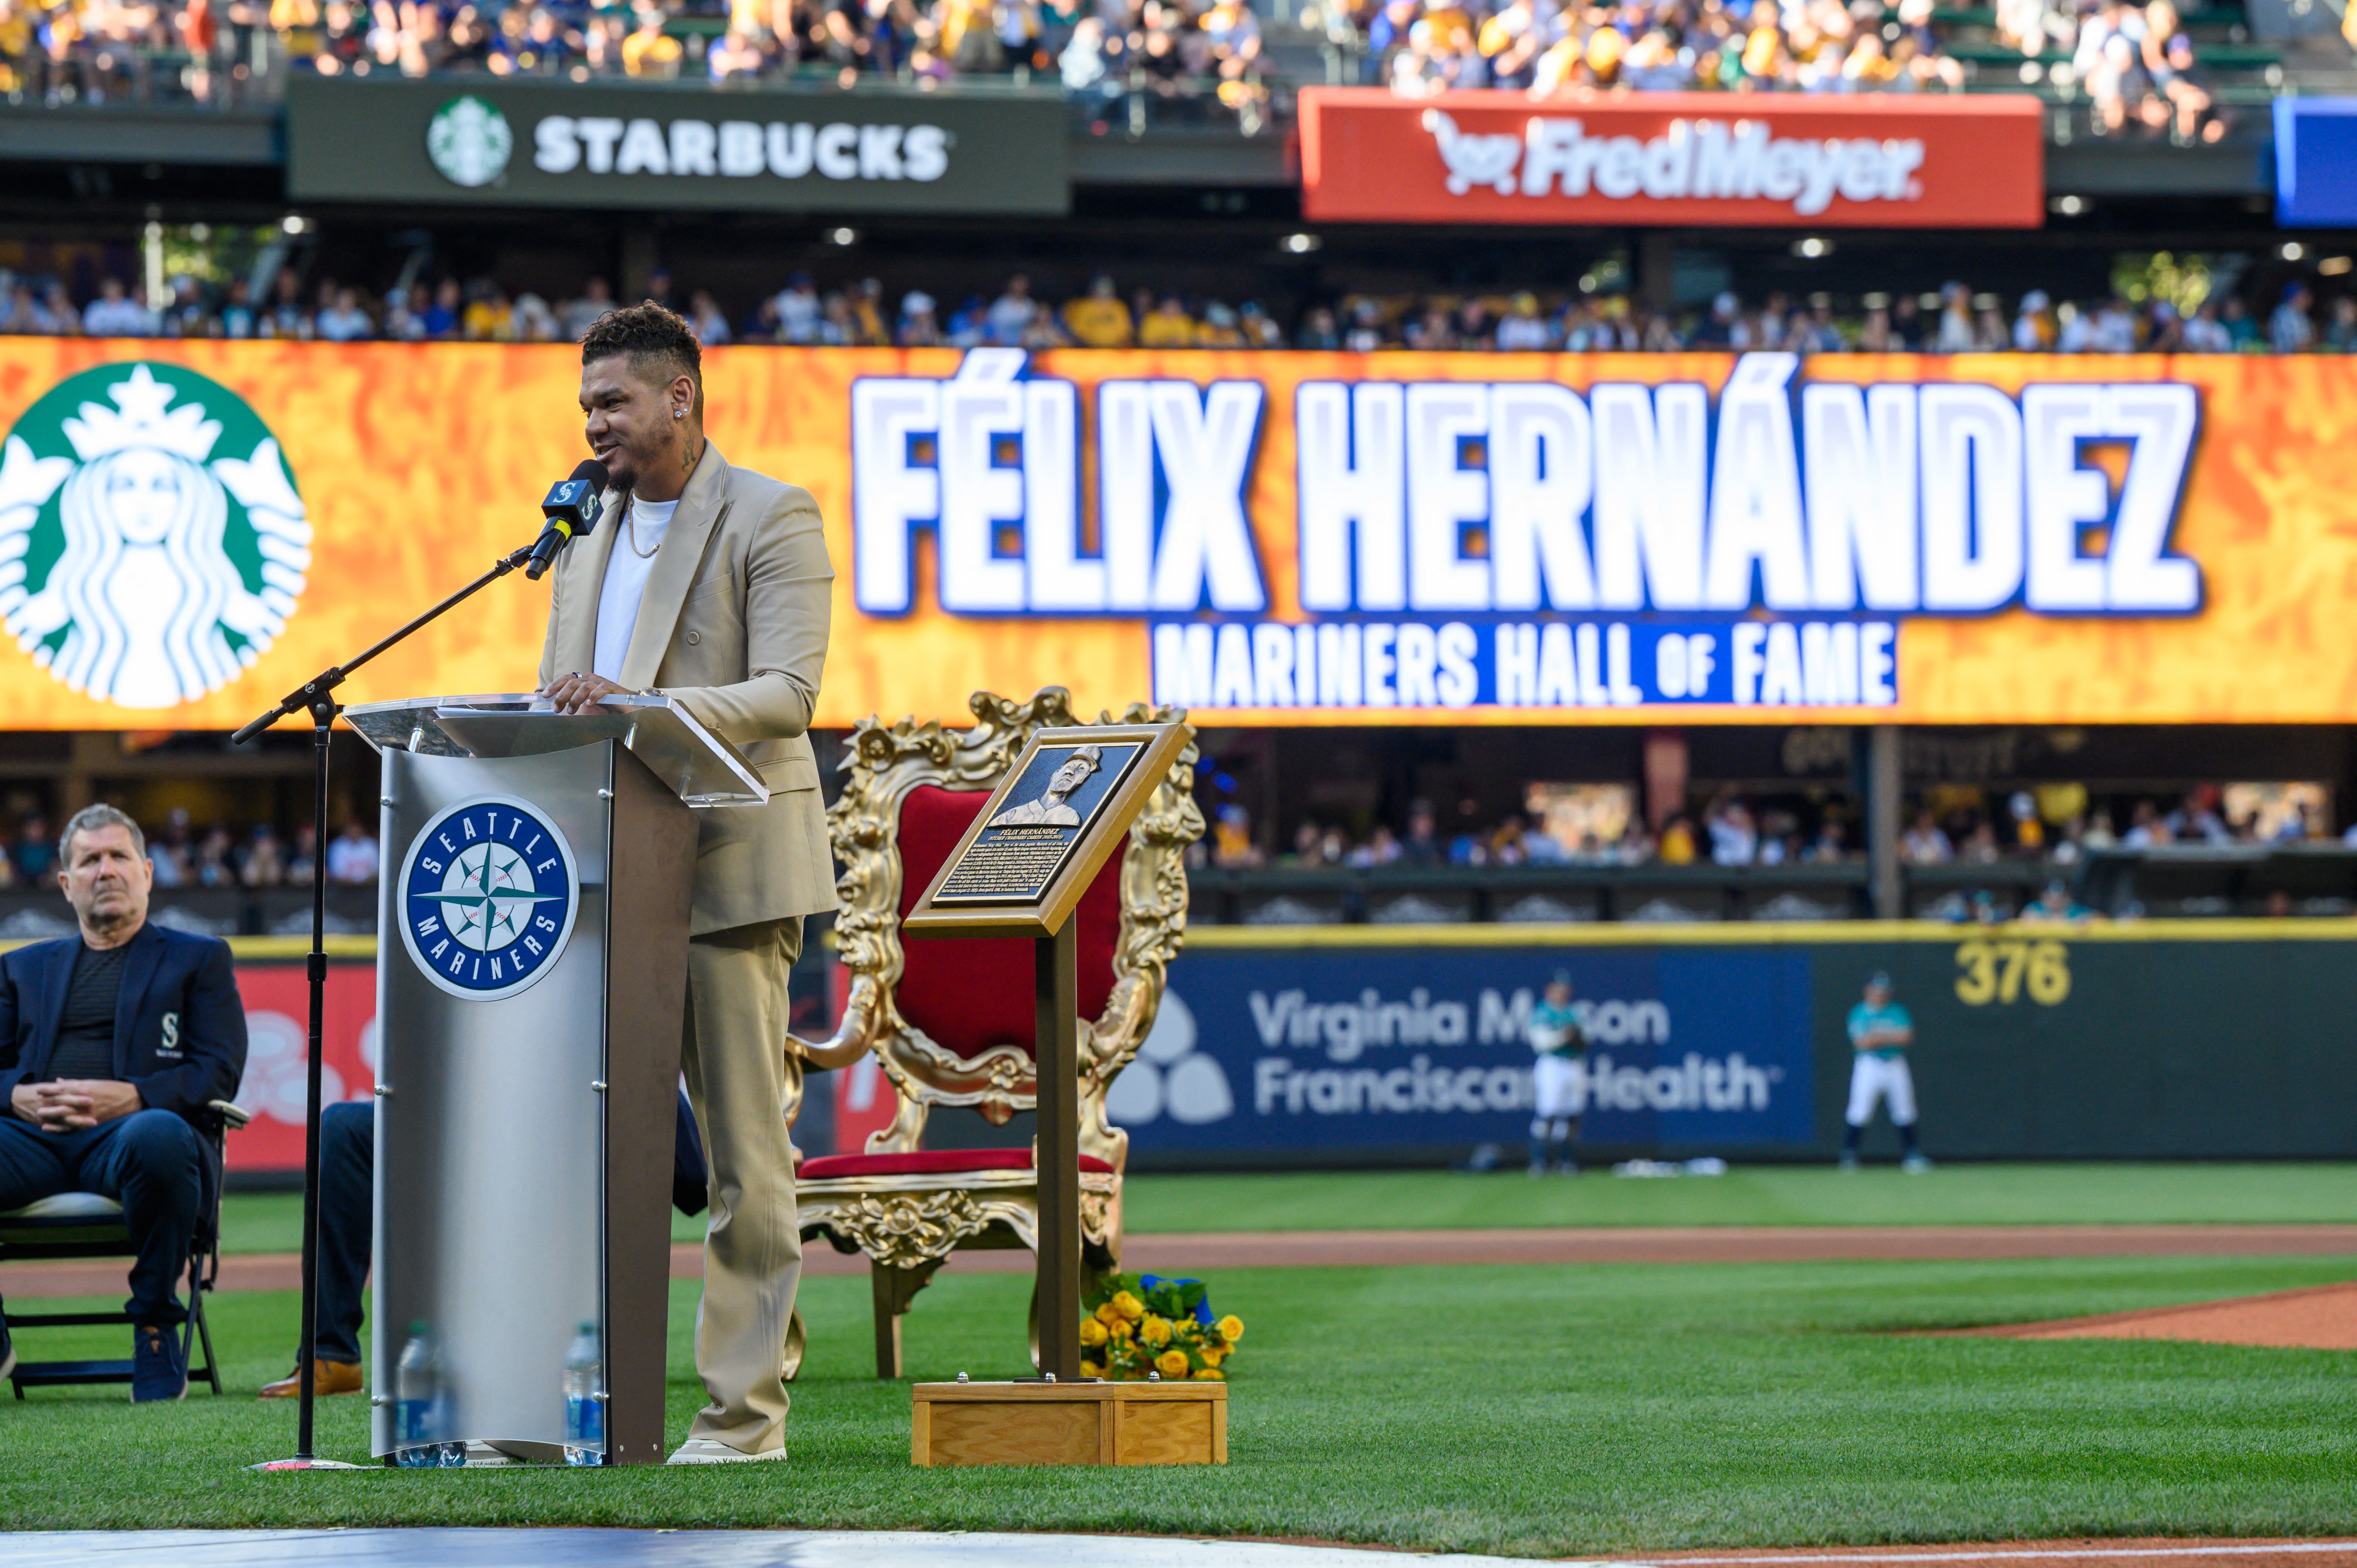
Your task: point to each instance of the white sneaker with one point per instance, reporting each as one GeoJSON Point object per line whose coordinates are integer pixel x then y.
{"type": "Point", "coordinates": [1915, 1165]}
{"type": "Point", "coordinates": [712, 1450]}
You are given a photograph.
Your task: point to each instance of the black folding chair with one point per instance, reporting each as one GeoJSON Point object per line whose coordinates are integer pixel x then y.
{"type": "Point", "coordinates": [84, 1225]}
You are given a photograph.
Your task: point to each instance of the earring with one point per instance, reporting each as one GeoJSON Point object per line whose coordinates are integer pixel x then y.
{"type": "Point", "coordinates": [679, 413]}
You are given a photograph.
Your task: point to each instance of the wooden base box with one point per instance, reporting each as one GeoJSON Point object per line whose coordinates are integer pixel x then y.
{"type": "Point", "coordinates": [1070, 1424]}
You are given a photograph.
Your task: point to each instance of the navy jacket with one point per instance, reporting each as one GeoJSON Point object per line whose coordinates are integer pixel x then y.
{"type": "Point", "coordinates": [179, 1027]}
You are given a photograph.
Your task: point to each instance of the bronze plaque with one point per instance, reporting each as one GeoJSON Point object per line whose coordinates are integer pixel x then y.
{"type": "Point", "coordinates": [1040, 820]}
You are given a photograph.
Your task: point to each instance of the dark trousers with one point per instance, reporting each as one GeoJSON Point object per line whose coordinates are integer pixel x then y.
{"type": "Point", "coordinates": [150, 1162]}
{"type": "Point", "coordinates": [347, 1186]}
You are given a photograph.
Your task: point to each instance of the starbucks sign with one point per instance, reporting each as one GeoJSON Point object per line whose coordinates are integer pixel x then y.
{"type": "Point", "coordinates": [524, 143]}
{"type": "Point", "coordinates": [152, 542]}
{"type": "Point", "coordinates": [468, 141]}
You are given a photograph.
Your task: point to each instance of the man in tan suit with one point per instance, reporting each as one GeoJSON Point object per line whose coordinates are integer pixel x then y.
{"type": "Point", "coordinates": [710, 584]}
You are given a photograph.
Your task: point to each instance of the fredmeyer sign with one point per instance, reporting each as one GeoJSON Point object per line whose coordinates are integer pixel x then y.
{"type": "Point", "coordinates": [551, 144]}
{"type": "Point", "coordinates": [1883, 161]}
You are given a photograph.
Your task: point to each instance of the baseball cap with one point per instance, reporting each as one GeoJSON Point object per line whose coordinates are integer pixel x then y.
{"type": "Point", "coordinates": [1878, 980]}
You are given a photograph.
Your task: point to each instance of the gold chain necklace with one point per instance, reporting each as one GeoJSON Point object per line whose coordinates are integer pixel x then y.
{"type": "Point", "coordinates": [630, 523]}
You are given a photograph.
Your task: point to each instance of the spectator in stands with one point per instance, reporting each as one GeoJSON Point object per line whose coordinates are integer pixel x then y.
{"type": "Point", "coordinates": [1422, 845]}
{"type": "Point", "coordinates": [734, 57]}
{"type": "Point", "coordinates": [216, 859]}
{"type": "Point", "coordinates": [711, 328]}
{"type": "Point", "coordinates": [1170, 326]}
{"type": "Point", "coordinates": [534, 321]}
{"type": "Point", "coordinates": [2168, 57]}
{"type": "Point", "coordinates": [264, 863]}
{"type": "Point", "coordinates": [1734, 836]}
{"type": "Point", "coordinates": [345, 321]}
{"type": "Point", "coordinates": [2242, 332]}
{"type": "Point", "coordinates": [116, 314]}
{"type": "Point", "coordinates": [1306, 853]}
{"type": "Point", "coordinates": [917, 329]}
{"type": "Point", "coordinates": [2289, 330]}
{"type": "Point", "coordinates": [1011, 314]}
{"type": "Point", "coordinates": [352, 859]}
{"type": "Point", "coordinates": [2341, 332]}
{"type": "Point", "coordinates": [596, 303]}
{"type": "Point", "coordinates": [1925, 843]}
{"type": "Point", "coordinates": [34, 853]}
{"type": "Point", "coordinates": [1318, 332]}
{"type": "Point", "coordinates": [2204, 334]}
{"type": "Point", "coordinates": [2034, 328]}
{"type": "Point", "coordinates": [800, 310]}
{"type": "Point", "coordinates": [1099, 320]}
{"type": "Point", "coordinates": [439, 318]}
{"type": "Point", "coordinates": [649, 51]}
{"type": "Point", "coordinates": [1233, 33]}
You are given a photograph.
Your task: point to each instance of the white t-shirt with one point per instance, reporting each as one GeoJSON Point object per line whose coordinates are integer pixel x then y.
{"type": "Point", "coordinates": [640, 525]}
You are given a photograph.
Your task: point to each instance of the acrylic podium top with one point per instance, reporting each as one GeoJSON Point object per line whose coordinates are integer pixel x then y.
{"type": "Point", "coordinates": [700, 767]}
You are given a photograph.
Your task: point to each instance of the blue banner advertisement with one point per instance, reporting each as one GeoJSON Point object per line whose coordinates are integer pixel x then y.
{"type": "Point", "coordinates": [1278, 1053]}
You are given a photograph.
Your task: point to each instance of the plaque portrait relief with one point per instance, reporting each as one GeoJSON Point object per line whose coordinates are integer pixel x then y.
{"type": "Point", "coordinates": [1051, 809]}
{"type": "Point", "coordinates": [1046, 812]}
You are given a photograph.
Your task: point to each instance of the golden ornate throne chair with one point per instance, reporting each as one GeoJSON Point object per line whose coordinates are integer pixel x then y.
{"type": "Point", "coordinates": [951, 1021]}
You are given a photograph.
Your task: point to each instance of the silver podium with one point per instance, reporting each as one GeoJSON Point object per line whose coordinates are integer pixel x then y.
{"type": "Point", "coordinates": [532, 974]}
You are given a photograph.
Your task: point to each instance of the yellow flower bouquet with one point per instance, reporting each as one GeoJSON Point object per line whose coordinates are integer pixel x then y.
{"type": "Point", "coordinates": [1136, 1324]}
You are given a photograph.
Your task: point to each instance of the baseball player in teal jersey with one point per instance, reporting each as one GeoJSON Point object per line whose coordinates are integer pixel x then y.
{"type": "Point", "coordinates": [1555, 1035]}
{"type": "Point", "coordinates": [1880, 1030]}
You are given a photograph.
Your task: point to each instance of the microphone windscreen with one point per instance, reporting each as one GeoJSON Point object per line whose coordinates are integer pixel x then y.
{"type": "Point", "coordinates": [592, 474]}
{"type": "Point", "coordinates": [574, 503]}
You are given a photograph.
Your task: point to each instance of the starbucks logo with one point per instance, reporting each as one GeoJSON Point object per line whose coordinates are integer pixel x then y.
{"type": "Point", "coordinates": [152, 545]}
{"type": "Point", "coordinates": [468, 141]}
{"type": "Point", "coordinates": [487, 896]}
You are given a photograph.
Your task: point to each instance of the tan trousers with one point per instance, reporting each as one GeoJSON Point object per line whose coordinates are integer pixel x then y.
{"type": "Point", "coordinates": [733, 1052]}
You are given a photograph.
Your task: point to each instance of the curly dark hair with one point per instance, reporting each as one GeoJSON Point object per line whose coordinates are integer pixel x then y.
{"type": "Point", "coordinates": [654, 339]}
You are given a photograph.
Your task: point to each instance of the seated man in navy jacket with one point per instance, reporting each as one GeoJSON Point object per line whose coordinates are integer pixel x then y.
{"type": "Point", "coordinates": [112, 1044]}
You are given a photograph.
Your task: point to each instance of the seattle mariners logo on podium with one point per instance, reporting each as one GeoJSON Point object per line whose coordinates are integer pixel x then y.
{"type": "Point", "coordinates": [488, 895]}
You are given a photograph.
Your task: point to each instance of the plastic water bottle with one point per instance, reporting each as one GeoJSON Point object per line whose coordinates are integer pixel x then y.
{"type": "Point", "coordinates": [585, 1416]}
{"type": "Point", "coordinates": [421, 1413]}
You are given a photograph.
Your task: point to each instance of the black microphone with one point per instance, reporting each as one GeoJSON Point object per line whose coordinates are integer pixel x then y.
{"type": "Point", "coordinates": [572, 509]}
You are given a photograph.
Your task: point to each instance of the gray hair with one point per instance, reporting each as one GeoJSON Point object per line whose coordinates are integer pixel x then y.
{"type": "Point", "coordinates": [91, 819]}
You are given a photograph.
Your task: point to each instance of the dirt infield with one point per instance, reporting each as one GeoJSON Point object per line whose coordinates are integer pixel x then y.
{"type": "Point", "coordinates": [1204, 1253]}
{"type": "Point", "coordinates": [2146, 1553]}
{"type": "Point", "coordinates": [2321, 1317]}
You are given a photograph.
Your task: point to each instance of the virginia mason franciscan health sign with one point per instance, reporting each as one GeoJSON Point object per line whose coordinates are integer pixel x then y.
{"type": "Point", "coordinates": [1276, 538]}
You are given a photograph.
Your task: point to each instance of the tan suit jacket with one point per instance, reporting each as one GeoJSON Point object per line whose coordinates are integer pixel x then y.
{"type": "Point", "coordinates": [733, 628]}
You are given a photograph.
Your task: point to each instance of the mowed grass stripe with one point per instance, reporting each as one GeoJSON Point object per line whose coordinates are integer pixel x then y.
{"type": "Point", "coordinates": [1535, 1410]}
{"type": "Point", "coordinates": [2079, 1194]}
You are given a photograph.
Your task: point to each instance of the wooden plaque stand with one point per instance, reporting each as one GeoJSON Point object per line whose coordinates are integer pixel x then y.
{"type": "Point", "coordinates": [1070, 1424]}
{"type": "Point", "coordinates": [1016, 873]}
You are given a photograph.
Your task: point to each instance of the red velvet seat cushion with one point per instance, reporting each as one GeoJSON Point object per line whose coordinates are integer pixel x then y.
{"type": "Point", "coordinates": [929, 1162]}
{"type": "Point", "coordinates": [971, 994]}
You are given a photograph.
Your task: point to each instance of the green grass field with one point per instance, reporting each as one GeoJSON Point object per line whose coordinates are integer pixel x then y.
{"type": "Point", "coordinates": [1757, 1195]}
{"type": "Point", "coordinates": [1530, 1410]}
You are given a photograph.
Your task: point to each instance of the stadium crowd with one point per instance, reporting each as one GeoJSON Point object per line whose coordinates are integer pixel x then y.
{"type": "Point", "coordinates": [218, 856]}
{"type": "Point", "coordinates": [2058, 824]}
{"type": "Point", "coordinates": [1954, 319]}
{"type": "Point", "coordinates": [1426, 48]}
{"type": "Point", "coordinates": [59, 51]}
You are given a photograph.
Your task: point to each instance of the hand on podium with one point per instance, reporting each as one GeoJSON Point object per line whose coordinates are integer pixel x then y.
{"type": "Point", "coordinates": [578, 692]}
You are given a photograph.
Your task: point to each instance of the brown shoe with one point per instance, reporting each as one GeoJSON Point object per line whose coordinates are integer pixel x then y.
{"type": "Point", "coordinates": [334, 1378]}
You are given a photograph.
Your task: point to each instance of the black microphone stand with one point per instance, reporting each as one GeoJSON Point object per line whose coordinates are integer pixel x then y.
{"type": "Point", "coordinates": [317, 697]}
